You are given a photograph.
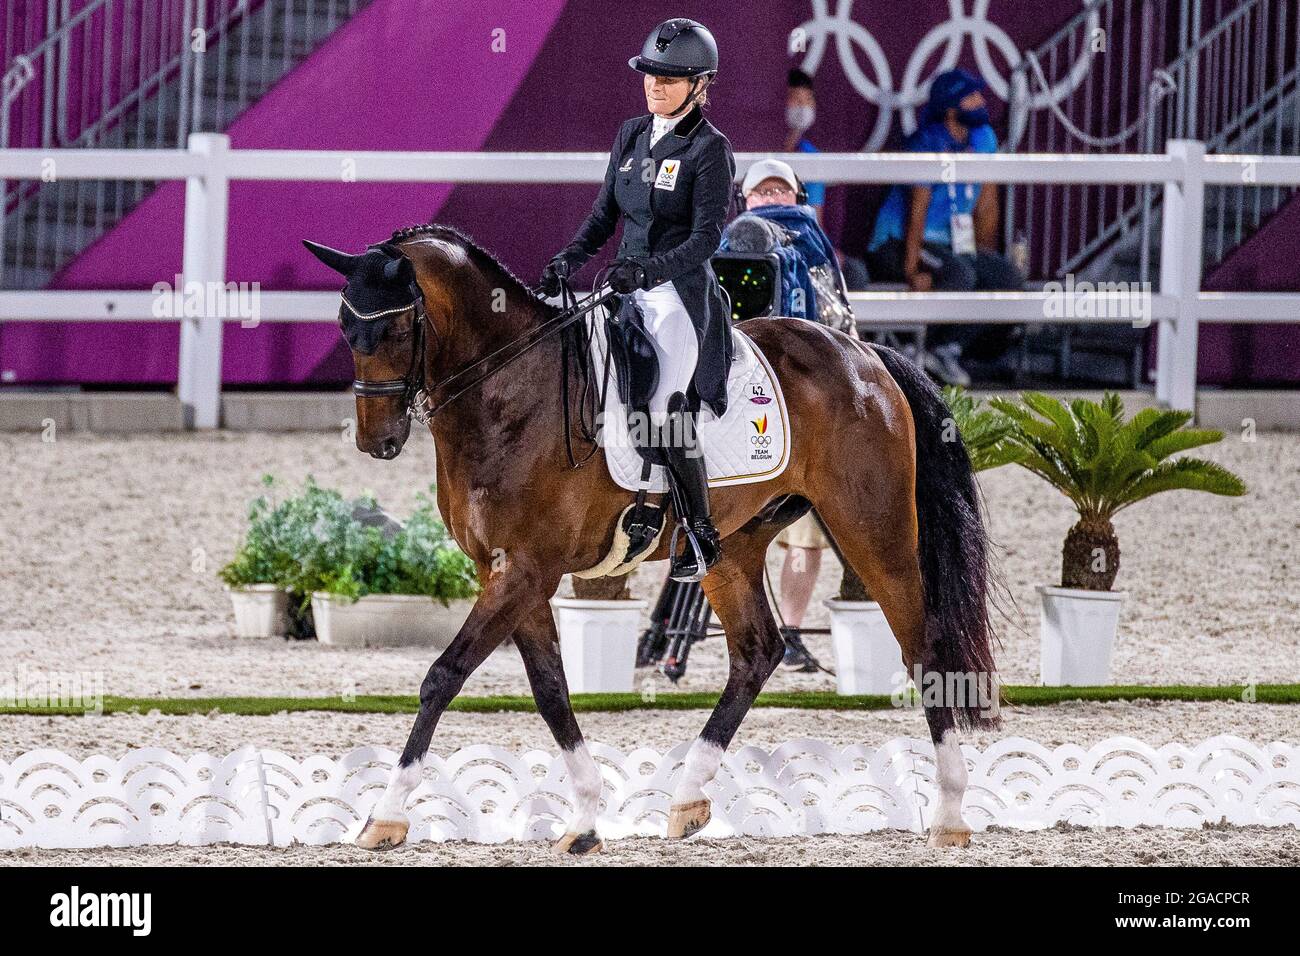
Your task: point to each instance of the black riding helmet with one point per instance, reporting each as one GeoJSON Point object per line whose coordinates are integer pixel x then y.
{"type": "Point", "coordinates": [679, 47]}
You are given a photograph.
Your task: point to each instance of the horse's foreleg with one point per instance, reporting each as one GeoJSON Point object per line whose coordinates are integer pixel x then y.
{"type": "Point", "coordinates": [539, 646]}
{"type": "Point", "coordinates": [735, 590]}
{"type": "Point", "coordinates": [508, 597]}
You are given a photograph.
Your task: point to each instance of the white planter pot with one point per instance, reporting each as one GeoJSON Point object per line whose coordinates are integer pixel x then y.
{"type": "Point", "coordinates": [261, 610]}
{"type": "Point", "coordinates": [1077, 635]}
{"type": "Point", "coordinates": [387, 620]}
{"type": "Point", "coordinates": [598, 643]}
{"type": "Point", "coordinates": [867, 658]}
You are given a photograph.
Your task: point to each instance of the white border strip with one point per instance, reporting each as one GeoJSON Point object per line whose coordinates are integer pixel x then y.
{"type": "Point", "coordinates": [488, 794]}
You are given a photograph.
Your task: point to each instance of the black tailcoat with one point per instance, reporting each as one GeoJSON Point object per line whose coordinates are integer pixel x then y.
{"type": "Point", "coordinates": [673, 201]}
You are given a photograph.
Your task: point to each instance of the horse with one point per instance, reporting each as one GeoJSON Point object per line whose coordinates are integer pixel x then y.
{"type": "Point", "coordinates": [447, 335]}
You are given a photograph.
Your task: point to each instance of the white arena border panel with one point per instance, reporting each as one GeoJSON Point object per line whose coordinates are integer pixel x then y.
{"type": "Point", "coordinates": [488, 794]}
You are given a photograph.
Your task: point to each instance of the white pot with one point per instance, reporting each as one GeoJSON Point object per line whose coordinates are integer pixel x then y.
{"type": "Point", "coordinates": [261, 610]}
{"type": "Point", "coordinates": [867, 658]}
{"type": "Point", "coordinates": [387, 620]}
{"type": "Point", "coordinates": [1077, 635]}
{"type": "Point", "coordinates": [598, 643]}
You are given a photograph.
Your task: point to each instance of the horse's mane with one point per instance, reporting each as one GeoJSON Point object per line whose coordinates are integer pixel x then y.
{"type": "Point", "coordinates": [485, 260]}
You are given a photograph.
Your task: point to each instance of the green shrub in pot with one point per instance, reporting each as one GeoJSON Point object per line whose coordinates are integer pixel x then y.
{"type": "Point", "coordinates": [339, 555]}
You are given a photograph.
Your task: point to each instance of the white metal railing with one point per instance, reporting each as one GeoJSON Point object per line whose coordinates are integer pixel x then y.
{"type": "Point", "coordinates": [209, 165]}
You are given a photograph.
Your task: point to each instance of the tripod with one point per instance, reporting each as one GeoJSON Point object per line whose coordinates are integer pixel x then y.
{"type": "Point", "coordinates": [681, 618]}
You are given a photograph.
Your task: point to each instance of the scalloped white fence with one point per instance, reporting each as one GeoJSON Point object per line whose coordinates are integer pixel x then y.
{"type": "Point", "coordinates": [487, 794]}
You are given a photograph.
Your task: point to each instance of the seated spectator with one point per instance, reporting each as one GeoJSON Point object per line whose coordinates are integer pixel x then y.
{"type": "Point", "coordinates": [943, 236]}
{"type": "Point", "coordinates": [800, 114]}
{"type": "Point", "coordinates": [776, 220]}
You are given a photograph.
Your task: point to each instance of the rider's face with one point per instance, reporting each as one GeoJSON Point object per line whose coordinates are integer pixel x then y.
{"type": "Point", "coordinates": [665, 94]}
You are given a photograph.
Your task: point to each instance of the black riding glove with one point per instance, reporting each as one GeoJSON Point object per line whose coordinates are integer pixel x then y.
{"type": "Point", "coordinates": [626, 275]}
{"type": "Point", "coordinates": [556, 270]}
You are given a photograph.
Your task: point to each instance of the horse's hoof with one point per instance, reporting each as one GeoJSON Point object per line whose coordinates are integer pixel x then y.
{"type": "Point", "coordinates": [949, 837]}
{"type": "Point", "coordinates": [382, 834]}
{"type": "Point", "coordinates": [688, 819]}
{"type": "Point", "coordinates": [579, 844]}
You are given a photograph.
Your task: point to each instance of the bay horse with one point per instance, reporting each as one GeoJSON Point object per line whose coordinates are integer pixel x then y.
{"type": "Point", "coordinates": [873, 450]}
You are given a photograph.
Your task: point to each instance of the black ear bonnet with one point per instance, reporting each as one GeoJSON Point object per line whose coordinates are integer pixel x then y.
{"type": "Point", "coordinates": [381, 286]}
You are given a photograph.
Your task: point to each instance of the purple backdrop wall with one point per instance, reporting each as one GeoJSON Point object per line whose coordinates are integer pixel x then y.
{"type": "Point", "coordinates": [397, 77]}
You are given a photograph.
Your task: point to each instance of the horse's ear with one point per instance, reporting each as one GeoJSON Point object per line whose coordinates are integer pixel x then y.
{"type": "Point", "coordinates": [399, 269]}
{"type": "Point", "coordinates": [340, 262]}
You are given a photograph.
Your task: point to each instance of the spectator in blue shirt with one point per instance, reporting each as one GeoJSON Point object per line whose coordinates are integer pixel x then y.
{"type": "Point", "coordinates": [800, 114]}
{"type": "Point", "coordinates": [943, 236]}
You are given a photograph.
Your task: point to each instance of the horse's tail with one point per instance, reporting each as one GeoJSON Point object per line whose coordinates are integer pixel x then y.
{"type": "Point", "coordinates": [954, 555]}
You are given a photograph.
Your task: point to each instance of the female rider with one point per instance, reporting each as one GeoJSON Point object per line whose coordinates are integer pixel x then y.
{"type": "Point", "coordinates": [669, 181]}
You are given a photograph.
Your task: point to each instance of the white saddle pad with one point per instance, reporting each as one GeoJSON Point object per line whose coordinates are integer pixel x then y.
{"type": "Point", "coordinates": [750, 443]}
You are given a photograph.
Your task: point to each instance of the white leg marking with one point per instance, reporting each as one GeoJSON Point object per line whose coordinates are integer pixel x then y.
{"type": "Point", "coordinates": [585, 778]}
{"type": "Point", "coordinates": [392, 805]}
{"type": "Point", "coordinates": [951, 766]}
{"type": "Point", "coordinates": [701, 765]}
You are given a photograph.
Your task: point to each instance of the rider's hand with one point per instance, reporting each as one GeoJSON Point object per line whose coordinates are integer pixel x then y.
{"type": "Point", "coordinates": [626, 275]}
{"type": "Point", "coordinates": [556, 269]}
{"type": "Point", "coordinates": [920, 281]}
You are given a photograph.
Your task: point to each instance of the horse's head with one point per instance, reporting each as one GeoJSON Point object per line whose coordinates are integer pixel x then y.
{"type": "Point", "coordinates": [380, 318]}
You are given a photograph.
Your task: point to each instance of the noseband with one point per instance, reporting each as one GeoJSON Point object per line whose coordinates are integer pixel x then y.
{"type": "Point", "coordinates": [411, 385]}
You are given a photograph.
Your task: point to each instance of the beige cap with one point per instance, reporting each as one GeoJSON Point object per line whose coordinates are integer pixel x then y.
{"type": "Point", "coordinates": [769, 169]}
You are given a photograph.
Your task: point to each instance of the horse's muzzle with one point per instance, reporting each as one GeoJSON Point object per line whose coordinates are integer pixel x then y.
{"type": "Point", "coordinates": [387, 450]}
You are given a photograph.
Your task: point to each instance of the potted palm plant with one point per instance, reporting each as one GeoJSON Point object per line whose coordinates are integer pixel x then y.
{"type": "Point", "coordinates": [375, 584]}
{"type": "Point", "coordinates": [1103, 464]}
{"type": "Point", "coordinates": [866, 653]}
{"type": "Point", "coordinates": [598, 629]}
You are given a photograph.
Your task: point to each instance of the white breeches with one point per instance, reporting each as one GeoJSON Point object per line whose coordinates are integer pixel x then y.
{"type": "Point", "coordinates": [676, 346]}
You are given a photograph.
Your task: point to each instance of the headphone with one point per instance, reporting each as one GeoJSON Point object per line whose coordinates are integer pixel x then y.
{"type": "Point", "coordinates": [800, 194]}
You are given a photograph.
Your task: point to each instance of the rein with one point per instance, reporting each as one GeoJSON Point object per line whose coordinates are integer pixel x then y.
{"type": "Point", "coordinates": [423, 403]}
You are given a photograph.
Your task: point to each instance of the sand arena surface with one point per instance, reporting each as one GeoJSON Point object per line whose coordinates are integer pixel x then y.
{"type": "Point", "coordinates": [109, 548]}
{"type": "Point", "coordinates": [1065, 846]}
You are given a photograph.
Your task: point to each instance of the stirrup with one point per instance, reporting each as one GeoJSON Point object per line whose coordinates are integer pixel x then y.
{"type": "Point", "coordinates": [701, 566]}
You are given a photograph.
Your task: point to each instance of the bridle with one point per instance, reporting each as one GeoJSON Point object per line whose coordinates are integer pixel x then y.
{"type": "Point", "coordinates": [411, 385]}
{"type": "Point", "coordinates": [422, 403]}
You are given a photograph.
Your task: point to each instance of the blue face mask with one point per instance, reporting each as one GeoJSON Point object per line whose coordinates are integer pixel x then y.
{"type": "Point", "coordinates": [973, 118]}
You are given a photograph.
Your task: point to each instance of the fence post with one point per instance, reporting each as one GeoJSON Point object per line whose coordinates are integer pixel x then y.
{"type": "Point", "coordinates": [206, 200]}
{"type": "Point", "coordinates": [1180, 276]}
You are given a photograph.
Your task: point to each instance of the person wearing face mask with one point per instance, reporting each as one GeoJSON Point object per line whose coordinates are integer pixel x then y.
{"type": "Point", "coordinates": [943, 236]}
{"type": "Point", "coordinates": [800, 115]}
{"type": "Point", "coordinates": [669, 183]}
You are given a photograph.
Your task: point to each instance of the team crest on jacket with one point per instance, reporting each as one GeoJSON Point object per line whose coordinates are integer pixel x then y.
{"type": "Point", "coordinates": [668, 170]}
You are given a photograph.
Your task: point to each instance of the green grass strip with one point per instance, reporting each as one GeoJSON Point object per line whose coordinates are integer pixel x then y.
{"type": "Point", "coordinates": [1027, 696]}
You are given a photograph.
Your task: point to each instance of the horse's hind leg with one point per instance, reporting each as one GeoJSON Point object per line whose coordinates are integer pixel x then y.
{"type": "Point", "coordinates": [735, 590]}
{"type": "Point", "coordinates": [539, 646]}
{"type": "Point", "coordinates": [510, 596]}
{"type": "Point", "coordinates": [877, 534]}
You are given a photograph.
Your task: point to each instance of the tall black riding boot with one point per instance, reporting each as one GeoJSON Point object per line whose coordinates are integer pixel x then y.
{"type": "Point", "coordinates": [689, 484]}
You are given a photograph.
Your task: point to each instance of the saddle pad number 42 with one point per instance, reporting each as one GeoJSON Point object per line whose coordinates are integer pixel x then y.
{"type": "Point", "coordinates": [749, 444]}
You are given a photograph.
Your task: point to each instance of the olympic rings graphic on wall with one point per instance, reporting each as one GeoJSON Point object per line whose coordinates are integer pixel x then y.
{"type": "Point", "coordinates": [951, 34]}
